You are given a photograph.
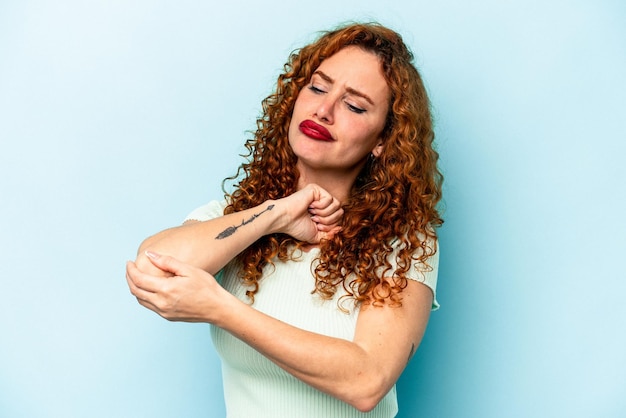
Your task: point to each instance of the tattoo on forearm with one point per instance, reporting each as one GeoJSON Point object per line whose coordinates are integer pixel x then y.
{"type": "Point", "coordinates": [411, 353]}
{"type": "Point", "coordinates": [232, 229]}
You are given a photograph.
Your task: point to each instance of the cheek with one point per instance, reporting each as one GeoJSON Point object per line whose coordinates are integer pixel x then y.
{"type": "Point", "coordinates": [295, 118]}
{"type": "Point", "coordinates": [366, 133]}
{"type": "Point", "coordinates": [377, 128]}
{"type": "Point", "coordinates": [300, 102]}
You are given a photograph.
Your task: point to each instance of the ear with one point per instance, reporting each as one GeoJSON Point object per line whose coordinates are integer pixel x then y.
{"type": "Point", "coordinates": [378, 149]}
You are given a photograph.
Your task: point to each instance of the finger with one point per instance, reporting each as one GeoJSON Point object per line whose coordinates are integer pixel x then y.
{"type": "Point", "coordinates": [330, 233]}
{"type": "Point", "coordinates": [332, 219]}
{"type": "Point", "coordinates": [144, 265]}
{"type": "Point", "coordinates": [333, 207]}
{"type": "Point", "coordinates": [149, 305]}
{"type": "Point", "coordinates": [322, 201]}
{"type": "Point", "coordinates": [328, 228]}
{"type": "Point", "coordinates": [145, 298]}
{"type": "Point", "coordinates": [325, 211]}
{"type": "Point", "coordinates": [167, 263]}
{"type": "Point", "coordinates": [141, 281]}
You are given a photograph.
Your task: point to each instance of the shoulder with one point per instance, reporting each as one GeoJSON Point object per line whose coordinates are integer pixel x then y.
{"type": "Point", "coordinates": [213, 209]}
{"type": "Point", "coordinates": [422, 271]}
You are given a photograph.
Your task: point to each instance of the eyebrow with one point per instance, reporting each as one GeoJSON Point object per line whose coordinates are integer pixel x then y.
{"type": "Point", "coordinates": [350, 90]}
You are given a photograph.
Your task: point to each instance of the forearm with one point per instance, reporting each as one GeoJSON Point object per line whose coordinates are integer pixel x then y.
{"type": "Point", "coordinates": [343, 369]}
{"type": "Point", "coordinates": [338, 367]}
{"type": "Point", "coordinates": [210, 245]}
{"type": "Point", "coordinates": [359, 372]}
{"type": "Point", "coordinates": [309, 215]}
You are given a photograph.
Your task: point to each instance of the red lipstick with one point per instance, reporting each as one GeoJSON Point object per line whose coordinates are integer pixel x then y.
{"type": "Point", "coordinates": [315, 131]}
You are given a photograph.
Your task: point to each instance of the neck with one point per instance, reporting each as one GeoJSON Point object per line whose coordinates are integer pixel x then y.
{"type": "Point", "coordinates": [337, 184]}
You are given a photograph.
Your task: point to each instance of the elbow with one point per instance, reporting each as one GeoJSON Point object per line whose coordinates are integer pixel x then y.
{"type": "Point", "coordinates": [153, 243]}
{"type": "Point", "coordinates": [369, 394]}
{"type": "Point", "coordinates": [367, 403]}
{"type": "Point", "coordinates": [366, 406]}
{"type": "Point", "coordinates": [143, 262]}
{"type": "Point", "coordinates": [145, 245]}
{"type": "Point", "coordinates": [141, 253]}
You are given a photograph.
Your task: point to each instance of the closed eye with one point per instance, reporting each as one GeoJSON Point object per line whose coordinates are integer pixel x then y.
{"type": "Point", "coordinates": [316, 90]}
{"type": "Point", "coordinates": [355, 109]}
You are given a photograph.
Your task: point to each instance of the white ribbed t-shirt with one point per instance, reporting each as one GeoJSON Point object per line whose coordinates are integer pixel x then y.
{"type": "Point", "coordinates": [256, 387]}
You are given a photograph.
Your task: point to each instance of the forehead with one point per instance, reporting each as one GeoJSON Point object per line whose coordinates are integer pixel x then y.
{"type": "Point", "coordinates": [358, 69]}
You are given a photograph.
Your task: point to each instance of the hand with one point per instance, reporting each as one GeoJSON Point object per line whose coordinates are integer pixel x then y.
{"type": "Point", "coordinates": [313, 214]}
{"type": "Point", "coordinates": [189, 294]}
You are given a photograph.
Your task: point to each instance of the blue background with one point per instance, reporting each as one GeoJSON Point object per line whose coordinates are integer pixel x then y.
{"type": "Point", "coordinates": [117, 118]}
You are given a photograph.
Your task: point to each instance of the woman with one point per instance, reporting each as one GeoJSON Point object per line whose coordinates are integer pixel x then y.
{"type": "Point", "coordinates": [325, 253]}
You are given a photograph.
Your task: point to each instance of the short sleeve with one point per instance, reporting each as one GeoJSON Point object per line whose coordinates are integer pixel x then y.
{"type": "Point", "coordinates": [429, 276]}
{"type": "Point", "coordinates": [425, 274]}
{"type": "Point", "coordinates": [211, 210]}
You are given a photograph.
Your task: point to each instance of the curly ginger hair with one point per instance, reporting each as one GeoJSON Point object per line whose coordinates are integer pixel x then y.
{"type": "Point", "coordinates": [395, 196]}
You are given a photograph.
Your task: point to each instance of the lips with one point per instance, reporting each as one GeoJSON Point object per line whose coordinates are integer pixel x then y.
{"type": "Point", "coordinates": [315, 131]}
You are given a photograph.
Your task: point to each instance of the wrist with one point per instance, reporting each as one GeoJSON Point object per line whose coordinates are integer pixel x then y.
{"type": "Point", "coordinates": [276, 215]}
{"type": "Point", "coordinates": [229, 311]}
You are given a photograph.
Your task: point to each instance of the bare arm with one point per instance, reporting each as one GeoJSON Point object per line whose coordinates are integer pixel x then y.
{"type": "Point", "coordinates": [359, 372]}
{"type": "Point", "coordinates": [210, 245]}
{"type": "Point", "coordinates": [308, 215]}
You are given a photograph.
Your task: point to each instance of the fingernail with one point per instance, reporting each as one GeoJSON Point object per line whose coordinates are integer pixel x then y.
{"type": "Point", "coordinates": [152, 255]}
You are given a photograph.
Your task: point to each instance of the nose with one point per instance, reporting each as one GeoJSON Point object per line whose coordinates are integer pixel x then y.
{"type": "Point", "coordinates": [326, 109]}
